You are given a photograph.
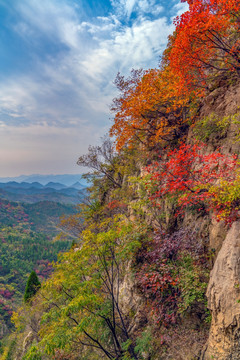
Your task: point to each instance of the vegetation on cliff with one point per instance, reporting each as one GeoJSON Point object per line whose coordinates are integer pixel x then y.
{"type": "Point", "coordinates": [133, 285]}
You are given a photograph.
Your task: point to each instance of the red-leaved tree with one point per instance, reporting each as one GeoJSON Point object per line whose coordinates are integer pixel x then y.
{"type": "Point", "coordinates": [191, 177]}
{"type": "Point", "coordinates": [207, 42]}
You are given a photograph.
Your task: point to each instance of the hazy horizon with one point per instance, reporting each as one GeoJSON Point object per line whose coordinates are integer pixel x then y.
{"type": "Point", "coordinates": [66, 179]}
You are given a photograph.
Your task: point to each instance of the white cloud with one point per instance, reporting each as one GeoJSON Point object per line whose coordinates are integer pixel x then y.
{"type": "Point", "coordinates": [178, 9]}
{"type": "Point", "coordinates": [61, 105]}
{"type": "Point", "coordinates": [128, 47]}
{"type": "Point", "coordinates": [80, 81]}
{"type": "Point", "coordinates": [129, 5]}
{"type": "Point", "coordinates": [125, 8]}
{"type": "Point", "coordinates": [55, 20]}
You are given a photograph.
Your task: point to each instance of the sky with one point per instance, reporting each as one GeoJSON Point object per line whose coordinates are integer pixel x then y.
{"type": "Point", "coordinates": [58, 62]}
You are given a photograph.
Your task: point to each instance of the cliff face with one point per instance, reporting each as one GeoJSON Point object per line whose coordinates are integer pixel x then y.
{"type": "Point", "coordinates": [223, 295]}
{"type": "Point", "coordinates": [223, 291]}
{"type": "Point", "coordinates": [219, 117]}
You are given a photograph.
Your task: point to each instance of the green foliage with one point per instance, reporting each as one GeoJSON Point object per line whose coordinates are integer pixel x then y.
{"type": "Point", "coordinates": [33, 285]}
{"type": "Point", "coordinates": [144, 343]}
{"type": "Point", "coordinates": [227, 199]}
{"type": "Point", "coordinates": [212, 126]}
{"type": "Point", "coordinates": [10, 351]}
{"type": "Point", "coordinates": [43, 216]}
{"type": "Point", "coordinates": [23, 248]}
{"type": "Point", "coordinates": [80, 303]}
{"type": "Point", "coordinates": [193, 280]}
{"type": "Point", "coordinates": [40, 217]}
{"type": "Point", "coordinates": [32, 354]}
{"type": "Point", "coordinates": [83, 296]}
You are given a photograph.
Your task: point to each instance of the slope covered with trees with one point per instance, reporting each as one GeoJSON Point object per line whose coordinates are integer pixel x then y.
{"type": "Point", "coordinates": [27, 243]}
{"type": "Point", "coordinates": [134, 284]}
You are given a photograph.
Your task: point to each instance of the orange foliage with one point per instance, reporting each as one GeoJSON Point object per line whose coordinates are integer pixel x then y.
{"type": "Point", "coordinates": [207, 43]}
{"type": "Point", "coordinates": [148, 109]}
{"type": "Point", "coordinates": [152, 105]}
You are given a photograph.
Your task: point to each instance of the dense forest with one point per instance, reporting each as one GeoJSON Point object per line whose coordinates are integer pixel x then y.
{"type": "Point", "coordinates": [27, 241]}
{"type": "Point", "coordinates": [165, 191]}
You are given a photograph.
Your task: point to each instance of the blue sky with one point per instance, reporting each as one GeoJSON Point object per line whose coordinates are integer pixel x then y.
{"type": "Point", "coordinates": [58, 62]}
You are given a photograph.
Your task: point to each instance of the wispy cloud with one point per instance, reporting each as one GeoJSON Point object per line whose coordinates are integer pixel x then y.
{"type": "Point", "coordinates": [131, 47]}
{"type": "Point", "coordinates": [69, 83]}
{"type": "Point", "coordinates": [55, 20]}
{"type": "Point", "coordinates": [78, 82]}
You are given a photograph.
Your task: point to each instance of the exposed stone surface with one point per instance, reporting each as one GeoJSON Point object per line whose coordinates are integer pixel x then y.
{"type": "Point", "coordinates": [224, 102]}
{"type": "Point", "coordinates": [28, 341]}
{"type": "Point", "coordinates": [223, 299]}
{"type": "Point", "coordinates": [217, 234]}
{"type": "Point", "coordinates": [130, 301]}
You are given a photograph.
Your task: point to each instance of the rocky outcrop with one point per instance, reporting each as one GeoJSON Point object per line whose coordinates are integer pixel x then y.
{"type": "Point", "coordinates": [223, 104]}
{"type": "Point", "coordinates": [224, 300]}
{"type": "Point", "coordinates": [217, 234]}
{"type": "Point", "coordinates": [28, 340]}
{"type": "Point", "coordinates": [131, 303]}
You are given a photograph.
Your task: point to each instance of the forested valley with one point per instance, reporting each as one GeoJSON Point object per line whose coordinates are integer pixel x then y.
{"type": "Point", "coordinates": [28, 242]}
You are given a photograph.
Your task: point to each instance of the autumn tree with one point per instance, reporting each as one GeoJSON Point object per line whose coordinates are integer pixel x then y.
{"type": "Point", "coordinates": [148, 111]}
{"type": "Point", "coordinates": [102, 161]}
{"type": "Point", "coordinates": [206, 43]}
{"type": "Point", "coordinates": [83, 301]}
{"type": "Point", "coordinates": [193, 178]}
{"type": "Point", "coordinates": [153, 104]}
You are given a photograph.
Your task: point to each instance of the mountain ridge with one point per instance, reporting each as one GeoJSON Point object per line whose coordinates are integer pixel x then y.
{"type": "Point", "coordinates": [35, 192]}
{"type": "Point", "coordinates": [65, 179]}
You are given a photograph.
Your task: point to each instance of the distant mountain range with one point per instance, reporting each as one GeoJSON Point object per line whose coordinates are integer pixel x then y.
{"type": "Point", "coordinates": [66, 179]}
{"type": "Point", "coordinates": [32, 192]}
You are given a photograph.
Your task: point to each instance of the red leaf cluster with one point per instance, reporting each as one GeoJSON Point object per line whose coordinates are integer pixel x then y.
{"type": "Point", "coordinates": [188, 174]}
{"type": "Point", "coordinates": [206, 43]}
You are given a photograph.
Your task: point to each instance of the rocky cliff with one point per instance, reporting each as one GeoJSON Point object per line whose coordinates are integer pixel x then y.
{"type": "Point", "coordinates": [223, 295]}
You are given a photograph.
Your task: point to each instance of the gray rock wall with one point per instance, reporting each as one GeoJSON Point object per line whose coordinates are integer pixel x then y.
{"type": "Point", "coordinates": [223, 295]}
